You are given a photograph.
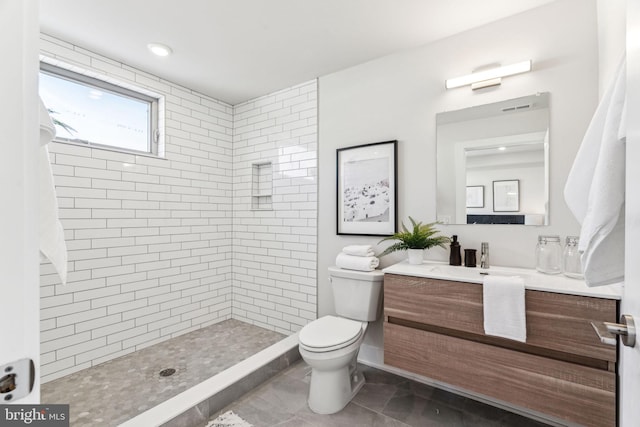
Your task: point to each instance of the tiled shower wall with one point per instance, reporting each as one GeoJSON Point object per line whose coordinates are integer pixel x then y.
{"type": "Point", "coordinates": [274, 243]}
{"type": "Point", "coordinates": [150, 240]}
{"type": "Point", "coordinates": [160, 247]}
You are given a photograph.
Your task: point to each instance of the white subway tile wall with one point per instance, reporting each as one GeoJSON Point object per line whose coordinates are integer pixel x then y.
{"type": "Point", "coordinates": [161, 247]}
{"type": "Point", "coordinates": [274, 250]}
{"type": "Point", "coordinates": [149, 239]}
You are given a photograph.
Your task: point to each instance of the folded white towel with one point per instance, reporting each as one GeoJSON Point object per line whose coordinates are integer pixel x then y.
{"type": "Point", "coordinates": [504, 307]}
{"type": "Point", "coordinates": [595, 188]}
{"type": "Point", "coordinates": [51, 233]}
{"type": "Point", "coordinates": [359, 250]}
{"type": "Point", "coordinates": [352, 262]}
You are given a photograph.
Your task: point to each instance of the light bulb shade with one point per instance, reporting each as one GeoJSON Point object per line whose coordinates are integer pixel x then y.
{"type": "Point", "coordinates": [159, 49]}
{"type": "Point", "coordinates": [487, 75]}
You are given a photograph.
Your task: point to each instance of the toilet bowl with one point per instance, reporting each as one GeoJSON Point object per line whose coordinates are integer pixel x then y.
{"type": "Point", "coordinates": [330, 344]}
{"type": "Point", "coordinates": [334, 378]}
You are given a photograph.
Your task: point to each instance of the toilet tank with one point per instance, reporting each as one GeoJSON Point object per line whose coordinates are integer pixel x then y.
{"type": "Point", "coordinates": [357, 294]}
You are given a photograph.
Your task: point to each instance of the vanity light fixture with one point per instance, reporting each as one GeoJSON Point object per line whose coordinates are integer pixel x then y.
{"type": "Point", "coordinates": [490, 77]}
{"type": "Point", "coordinates": [159, 49]}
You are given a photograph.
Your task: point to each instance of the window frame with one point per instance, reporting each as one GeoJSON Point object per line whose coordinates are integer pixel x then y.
{"type": "Point", "coordinates": [153, 124]}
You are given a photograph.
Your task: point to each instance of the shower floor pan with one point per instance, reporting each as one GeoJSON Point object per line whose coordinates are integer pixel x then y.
{"type": "Point", "coordinates": [178, 382]}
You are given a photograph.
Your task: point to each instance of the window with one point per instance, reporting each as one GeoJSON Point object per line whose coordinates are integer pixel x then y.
{"type": "Point", "coordinates": [93, 112]}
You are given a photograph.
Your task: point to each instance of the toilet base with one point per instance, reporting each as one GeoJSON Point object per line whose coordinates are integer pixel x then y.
{"type": "Point", "coordinates": [331, 391]}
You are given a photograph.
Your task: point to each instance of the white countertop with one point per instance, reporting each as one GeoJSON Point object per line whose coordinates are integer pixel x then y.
{"type": "Point", "coordinates": [533, 279]}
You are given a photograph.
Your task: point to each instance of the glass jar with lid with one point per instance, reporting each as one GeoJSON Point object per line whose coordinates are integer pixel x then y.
{"type": "Point", "coordinates": [549, 254]}
{"type": "Point", "coordinates": [571, 263]}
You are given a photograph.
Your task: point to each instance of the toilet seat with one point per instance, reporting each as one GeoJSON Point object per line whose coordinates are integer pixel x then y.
{"type": "Point", "coordinates": [329, 333]}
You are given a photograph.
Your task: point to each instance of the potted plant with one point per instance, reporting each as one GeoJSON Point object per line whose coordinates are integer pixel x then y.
{"type": "Point", "coordinates": [416, 240]}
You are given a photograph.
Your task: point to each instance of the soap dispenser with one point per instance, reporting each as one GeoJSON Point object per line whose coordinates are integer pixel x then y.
{"type": "Point", "coordinates": [455, 258]}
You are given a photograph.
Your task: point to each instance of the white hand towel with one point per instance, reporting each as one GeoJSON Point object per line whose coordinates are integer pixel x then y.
{"type": "Point", "coordinates": [595, 188]}
{"type": "Point", "coordinates": [352, 262]}
{"type": "Point", "coordinates": [504, 307]}
{"type": "Point", "coordinates": [359, 250]}
{"type": "Point", "coordinates": [51, 233]}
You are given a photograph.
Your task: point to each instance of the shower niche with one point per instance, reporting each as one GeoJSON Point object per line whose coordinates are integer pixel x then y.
{"type": "Point", "coordinates": [262, 186]}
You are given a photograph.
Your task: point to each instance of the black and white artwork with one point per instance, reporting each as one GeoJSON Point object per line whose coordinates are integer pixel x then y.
{"type": "Point", "coordinates": [367, 189]}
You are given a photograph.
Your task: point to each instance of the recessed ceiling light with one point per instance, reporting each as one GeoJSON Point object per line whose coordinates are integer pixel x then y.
{"type": "Point", "coordinates": [502, 148]}
{"type": "Point", "coordinates": [159, 49]}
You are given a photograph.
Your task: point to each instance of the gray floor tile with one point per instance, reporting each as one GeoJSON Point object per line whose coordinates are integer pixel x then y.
{"type": "Point", "coordinates": [420, 412]}
{"type": "Point", "coordinates": [352, 415]}
{"type": "Point", "coordinates": [294, 422]}
{"type": "Point", "coordinates": [375, 396]}
{"type": "Point", "coordinates": [514, 420]}
{"type": "Point", "coordinates": [260, 412]}
{"type": "Point", "coordinates": [386, 400]}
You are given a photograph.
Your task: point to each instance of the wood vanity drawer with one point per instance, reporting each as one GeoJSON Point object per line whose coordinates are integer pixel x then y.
{"type": "Point", "coordinates": [556, 322]}
{"type": "Point", "coordinates": [566, 390]}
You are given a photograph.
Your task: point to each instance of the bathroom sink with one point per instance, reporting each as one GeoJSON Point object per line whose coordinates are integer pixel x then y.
{"type": "Point", "coordinates": [474, 274]}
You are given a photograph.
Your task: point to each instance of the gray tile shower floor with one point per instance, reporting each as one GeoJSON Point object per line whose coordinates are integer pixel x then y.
{"type": "Point", "coordinates": [385, 400]}
{"type": "Point", "coordinates": [115, 391]}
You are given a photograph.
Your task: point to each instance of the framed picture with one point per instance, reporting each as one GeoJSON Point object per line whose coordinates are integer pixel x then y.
{"type": "Point", "coordinates": [506, 196]}
{"type": "Point", "coordinates": [475, 196]}
{"type": "Point", "coordinates": [366, 189]}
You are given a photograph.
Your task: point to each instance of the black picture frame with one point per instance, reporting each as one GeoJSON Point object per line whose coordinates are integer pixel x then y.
{"type": "Point", "coordinates": [506, 195]}
{"type": "Point", "coordinates": [475, 196]}
{"type": "Point", "coordinates": [366, 189]}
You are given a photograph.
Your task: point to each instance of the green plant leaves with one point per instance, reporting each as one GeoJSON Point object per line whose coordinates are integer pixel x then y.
{"type": "Point", "coordinates": [421, 236]}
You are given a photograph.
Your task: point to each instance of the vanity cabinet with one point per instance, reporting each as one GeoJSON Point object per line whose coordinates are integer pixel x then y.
{"type": "Point", "coordinates": [434, 328]}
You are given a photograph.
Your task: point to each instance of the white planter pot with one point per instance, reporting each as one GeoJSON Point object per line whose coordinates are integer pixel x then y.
{"type": "Point", "coordinates": [415, 256]}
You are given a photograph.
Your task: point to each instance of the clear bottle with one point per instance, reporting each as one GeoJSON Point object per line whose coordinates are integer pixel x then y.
{"type": "Point", "coordinates": [549, 255]}
{"type": "Point", "coordinates": [571, 263]}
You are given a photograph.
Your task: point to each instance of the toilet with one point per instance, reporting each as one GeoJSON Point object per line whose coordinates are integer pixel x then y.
{"type": "Point", "coordinates": [330, 344]}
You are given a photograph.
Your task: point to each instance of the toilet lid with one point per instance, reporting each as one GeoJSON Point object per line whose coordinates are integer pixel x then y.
{"type": "Point", "coordinates": [330, 331]}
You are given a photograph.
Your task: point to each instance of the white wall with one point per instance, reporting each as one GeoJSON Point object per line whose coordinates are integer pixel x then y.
{"type": "Point", "coordinates": [274, 251]}
{"type": "Point", "coordinates": [398, 96]}
{"type": "Point", "coordinates": [149, 239]}
{"type": "Point", "coordinates": [611, 38]}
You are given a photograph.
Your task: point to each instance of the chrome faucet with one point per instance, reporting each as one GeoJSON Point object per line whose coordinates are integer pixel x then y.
{"type": "Point", "coordinates": [484, 255]}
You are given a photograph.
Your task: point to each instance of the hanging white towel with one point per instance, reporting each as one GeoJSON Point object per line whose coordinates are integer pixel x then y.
{"type": "Point", "coordinates": [51, 233]}
{"type": "Point", "coordinates": [359, 250]}
{"type": "Point", "coordinates": [595, 187]}
{"type": "Point", "coordinates": [504, 307]}
{"type": "Point", "coordinates": [360, 263]}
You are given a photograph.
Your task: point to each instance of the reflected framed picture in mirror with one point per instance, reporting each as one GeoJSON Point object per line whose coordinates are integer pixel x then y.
{"type": "Point", "coordinates": [506, 195]}
{"type": "Point", "coordinates": [366, 189]}
{"type": "Point", "coordinates": [475, 196]}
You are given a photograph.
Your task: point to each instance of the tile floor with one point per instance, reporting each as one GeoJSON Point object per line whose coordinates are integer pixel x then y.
{"type": "Point", "coordinates": [115, 391]}
{"type": "Point", "coordinates": [385, 400]}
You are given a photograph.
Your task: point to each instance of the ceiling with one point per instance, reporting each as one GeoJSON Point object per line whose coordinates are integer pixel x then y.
{"type": "Point", "coordinates": [235, 50]}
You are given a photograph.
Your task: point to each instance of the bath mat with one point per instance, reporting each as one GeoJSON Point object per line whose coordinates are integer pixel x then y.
{"type": "Point", "coordinates": [229, 419]}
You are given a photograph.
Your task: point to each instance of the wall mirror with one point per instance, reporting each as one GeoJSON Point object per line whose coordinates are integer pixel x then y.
{"type": "Point", "coordinates": [493, 163]}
